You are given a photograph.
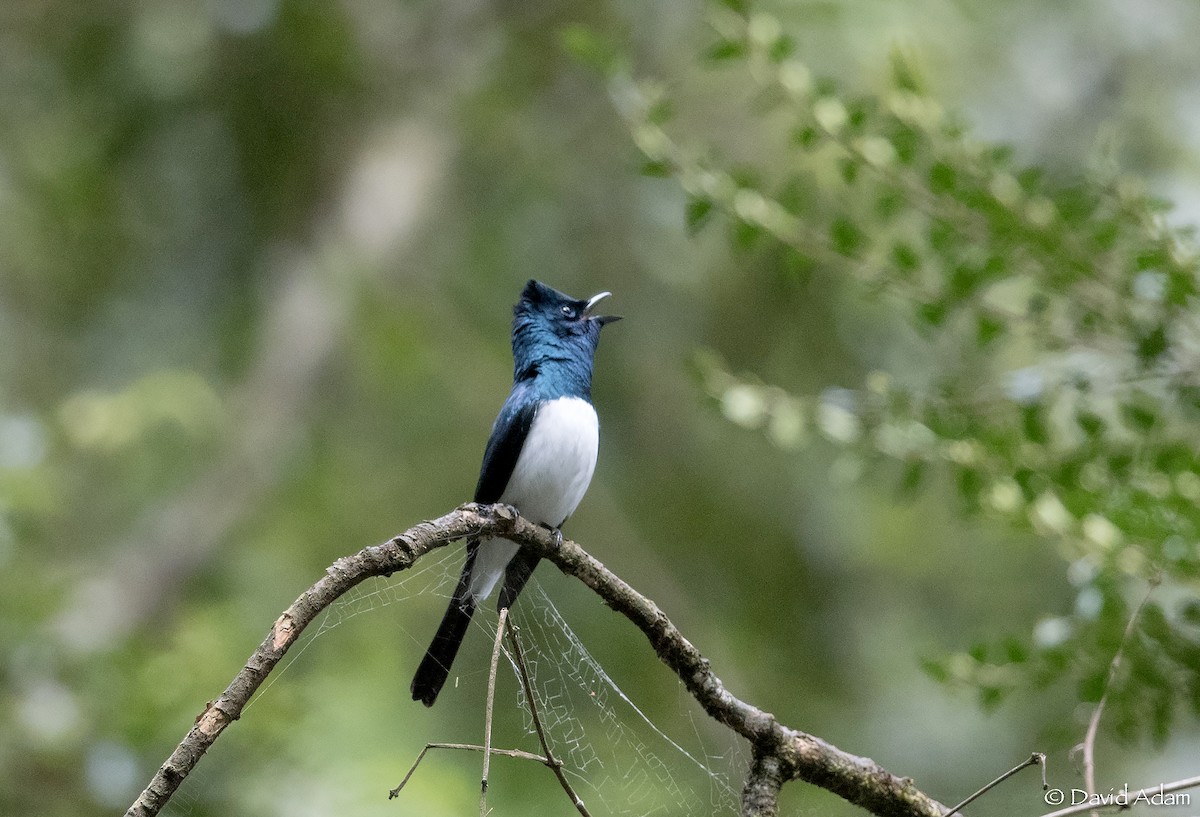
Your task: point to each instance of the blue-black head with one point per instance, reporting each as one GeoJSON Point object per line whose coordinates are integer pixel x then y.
{"type": "Point", "coordinates": [556, 334]}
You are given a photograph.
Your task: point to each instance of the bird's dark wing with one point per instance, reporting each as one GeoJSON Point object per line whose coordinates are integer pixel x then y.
{"type": "Point", "coordinates": [504, 446]}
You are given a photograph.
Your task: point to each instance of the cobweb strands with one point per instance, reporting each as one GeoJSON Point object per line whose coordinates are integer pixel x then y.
{"type": "Point", "coordinates": [619, 760]}
{"type": "Point", "coordinates": [588, 711]}
{"type": "Point", "coordinates": [436, 574]}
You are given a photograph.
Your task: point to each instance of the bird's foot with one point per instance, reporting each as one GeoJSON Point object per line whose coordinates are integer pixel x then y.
{"type": "Point", "coordinates": [556, 534]}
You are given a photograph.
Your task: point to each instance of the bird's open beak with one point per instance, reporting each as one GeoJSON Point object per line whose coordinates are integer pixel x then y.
{"type": "Point", "coordinates": [601, 319]}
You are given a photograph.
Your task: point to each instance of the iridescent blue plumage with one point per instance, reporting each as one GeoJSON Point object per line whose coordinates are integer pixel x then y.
{"type": "Point", "coordinates": [539, 458]}
{"type": "Point", "coordinates": [554, 343]}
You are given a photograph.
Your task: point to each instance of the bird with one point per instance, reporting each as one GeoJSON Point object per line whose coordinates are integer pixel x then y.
{"type": "Point", "coordinates": [539, 458]}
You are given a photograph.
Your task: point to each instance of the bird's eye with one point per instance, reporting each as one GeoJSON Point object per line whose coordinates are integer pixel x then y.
{"type": "Point", "coordinates": [568, 311]}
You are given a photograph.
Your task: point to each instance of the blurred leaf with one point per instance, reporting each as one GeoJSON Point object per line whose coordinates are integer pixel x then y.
{"type": "Point", "coordinates": [907, 142]}
{"type": "Point", "coordinates": [963, 282]}
{"type": "Point", "coordinates": [807, 136]}
{"type": "Point", "coordinates": [745, 234]}
{"type": "Point", "coordinates": [740, 6]}
{"type": "Point", "coordinates": [905, 257]}
{"type": "Point", "coordinates": [987, 329]}
{"type": "Point", "coordinates": [849, 169]}
{"type": "Point", "coordinates": [1031, 178]}
{"type": "Point", "coordinates": [1033, 423]}
{"type": "Point", "coordinates": [782, 48]}
{"type": "Point", "coordinates": [1092, 424]}
{"type": "Point", "coordinates": [943, 237]}
{"type": "Point", "coordinates": [697, 213]}
{"type": "Point", "coordinates": [906, 73]}
{"type": "Point", "coordinates": [1154, 623]}
{"type": "Point", "coordinates": [1015, 652]}
{"type": "Point", "coordinates": [1152, 258]}
{"type": "Point", "coordinates": [589, 47]}
{"type": "Point", "coordinates": [933, 314]}
{"type": "Point", "coordinates": [858, 114]}
{"type": "Point", "coordinates": [1162, 717]}
{"type": "Point", "coordinates": [1105, 234]}
{"type": "Point", "coordinates": [889, 204]}
{"type": "Point", "coordinates": [1151, 346]}
{"type": "Point", "coordinates": [970, 484]}
{"type": "Point", "coordinates": [991, 697]}
{"type": "Point", "coordinates": [845, 236]}
{"type": "Point", "coordinates": [913, 478]}
{"type": "Point", "coordinates": [661, 112]}
{"type": "Point", "coordinates": [943, 178]}
{"type": "Point", "coordinates": [1091, 686]}
{"type": "Point", "coordinates": [936, 669]}
{"type": "Point", "coordinates": [725, 50]}
{"type": "Point", "coordinates": [657, 169]}
{"type": "Point", "coordinates": [1139, 414]}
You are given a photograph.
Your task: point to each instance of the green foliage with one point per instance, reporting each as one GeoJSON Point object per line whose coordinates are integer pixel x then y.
{"type": "Point", "coordinates": [590, 48]}
{"type": "Point", "coordinates": [256, 262]}
{"type": "Point", "coordinates": [1060, 325]}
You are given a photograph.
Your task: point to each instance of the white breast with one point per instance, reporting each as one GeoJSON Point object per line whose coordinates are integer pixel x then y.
{"type": "Point", "coordinates": [556, 462]}
{"type": "Point", "coordinates": [549, 480]}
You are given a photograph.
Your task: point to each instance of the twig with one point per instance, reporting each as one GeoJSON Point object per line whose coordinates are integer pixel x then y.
{"type": "Point", "coordinates": [1120, 801]}
{"type": "Point", "coordinates": [517, 753]}
{"type": "Point", "coordinates": [1035, 759]}
{"type": "Point", "coordinates": [548, 760]}
{"type": "Point", "coordinates": [1089, 740]}
{"type": "Point", "coordinates": [553, 763]}
{"type": "Point", "coordinates": [487, 724]}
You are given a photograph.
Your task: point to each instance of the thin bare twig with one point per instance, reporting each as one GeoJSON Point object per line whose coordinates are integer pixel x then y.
{"type": "Point", "coordinates": [491, 699]}
{"type": "Point", "coordinates": [517, 753]}
{"type": "Point", "coordinates": [549, 760]}
{"type": "Point", "coordinates": [1089, 740]}
{"type": "Point", "coordinates": [1035, 759]}
{"type": "Point", "coordinates": [554, 764]}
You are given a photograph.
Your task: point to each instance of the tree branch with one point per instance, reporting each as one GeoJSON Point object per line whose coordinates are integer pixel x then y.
{"type": "Point", "coordinates": [780, 753]}
{"type": "Point", "coordinates": [760, 794]}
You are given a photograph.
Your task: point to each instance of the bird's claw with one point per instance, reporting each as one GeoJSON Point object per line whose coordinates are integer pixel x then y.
{"type": "Point", "coordinates": [557, 536]}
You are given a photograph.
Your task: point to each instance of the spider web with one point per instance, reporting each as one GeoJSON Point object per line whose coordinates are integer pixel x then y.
{"type": "Point", "coordinates": [607, 743]}
{"type": "Point", "coordinates": [618, 759]}
{"type": "Point", "coordinates": [437, 573]}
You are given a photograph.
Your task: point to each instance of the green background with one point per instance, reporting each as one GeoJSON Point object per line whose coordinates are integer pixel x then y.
{"type": "Point", "coordinates": [257, 262]}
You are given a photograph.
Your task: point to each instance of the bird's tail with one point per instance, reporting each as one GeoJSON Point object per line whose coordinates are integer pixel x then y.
{"type": "Point", "coordinates": [435, 666]}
